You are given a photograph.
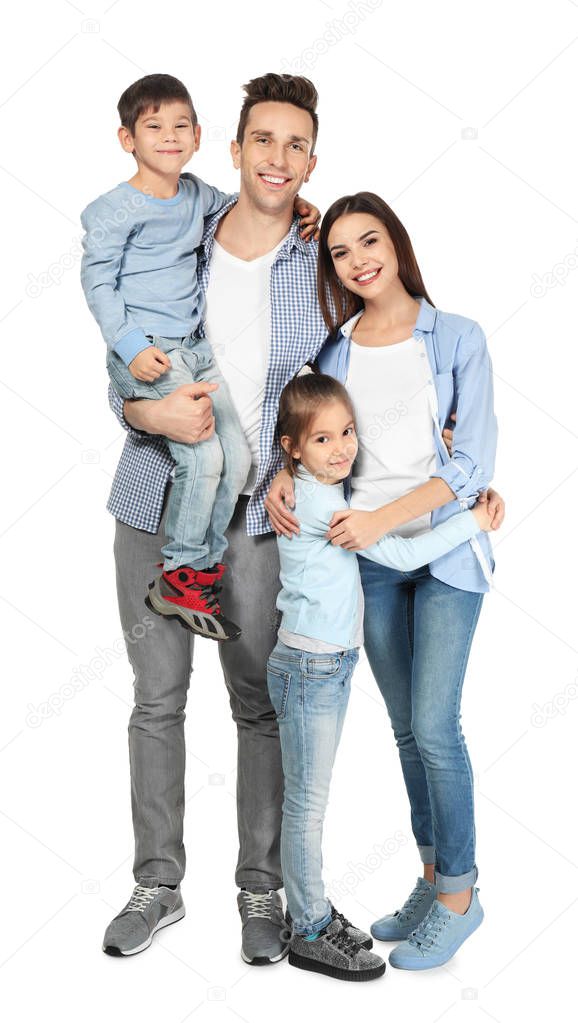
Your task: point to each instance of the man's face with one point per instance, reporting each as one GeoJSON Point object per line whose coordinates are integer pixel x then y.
{"type": "Point", "coordinates": [163, 141]}
{"type": "Point", "coordinates": [275, 157]}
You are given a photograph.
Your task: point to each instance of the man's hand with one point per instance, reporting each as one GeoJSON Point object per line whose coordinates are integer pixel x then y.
{"type": "Point", "coordinates": [496, 507]}
{"type": "Point", "coordinates": [281, 519]}
{"type": "Point", "coordinates": [149, 364]}
{"type": "Point", "coordinates": [309, 216]}
{"type": "Point", "coordinates": [355, 530]}
{"type": "Point", "coordinates": [185, 415]}
{"type": "Point", "coordinates": [448, 436]}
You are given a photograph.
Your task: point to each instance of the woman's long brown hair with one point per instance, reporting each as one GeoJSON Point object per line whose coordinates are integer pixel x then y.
{"type": "Point", "coordinates": [337, 303]}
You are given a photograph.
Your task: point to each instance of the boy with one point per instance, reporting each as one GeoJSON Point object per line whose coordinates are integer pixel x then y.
{"type": "Point", "coordinates": [139, 278]}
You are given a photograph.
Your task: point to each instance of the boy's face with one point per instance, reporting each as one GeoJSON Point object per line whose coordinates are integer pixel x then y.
{"type": "Point", "coordinates": [329, 448]}
{"type": "Point", "coordinates": [164, 141]}
{"type": "Point", "coordinates": [275, 157]}
{"type": "Point", "coordinates": [363, 254]}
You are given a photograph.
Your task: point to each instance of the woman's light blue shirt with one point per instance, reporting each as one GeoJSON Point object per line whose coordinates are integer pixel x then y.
{"type": "Point", "coordinates": [460, 381]}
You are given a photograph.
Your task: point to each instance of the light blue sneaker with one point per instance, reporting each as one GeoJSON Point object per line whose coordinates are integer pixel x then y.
{"type": "Point", "coordinates": [399, 925]}
{"type": "Point", "coordinates": [438, 937]}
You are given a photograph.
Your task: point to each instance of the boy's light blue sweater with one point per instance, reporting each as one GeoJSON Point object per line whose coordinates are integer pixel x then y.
{"type": "Point", "coordinates": [139, 267]}
{"type": "Point", "coordinates": [319, 594]}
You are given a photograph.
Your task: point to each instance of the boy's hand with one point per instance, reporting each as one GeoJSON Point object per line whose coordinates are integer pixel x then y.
{"type": "Point", "coordinates": [149, 364]}
{"type": "Point", "coordinates": [309, 216]}
{"type": "Point", "coordinates": [281, 519]}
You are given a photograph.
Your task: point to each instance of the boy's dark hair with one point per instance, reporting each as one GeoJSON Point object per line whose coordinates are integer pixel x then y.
{"type": "Point", "coordinates": [151, 91]}
{"type": "Point", "coordinates": [272, 88]}
{"type": "Point", "coordinates": [300, 402]}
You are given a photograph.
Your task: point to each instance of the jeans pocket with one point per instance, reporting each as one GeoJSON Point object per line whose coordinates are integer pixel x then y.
{"type": "Point", "coordinates": [278, 684]}
{"type": "Point", "coordinates": [323, 666]}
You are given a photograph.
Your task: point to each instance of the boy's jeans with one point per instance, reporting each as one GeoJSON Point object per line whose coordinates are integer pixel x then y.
{"type": "Point", "coordinates": [309, 693]}
{"type": "Point", "coordinates": [418, 634]}
{"type": "Point", "coordinates": [208, 476]}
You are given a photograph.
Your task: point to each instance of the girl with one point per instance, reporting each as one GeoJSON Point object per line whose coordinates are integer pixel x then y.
{"type": "Point", "coordinates": [309, 671]}
{"type": "Point", "coordinates": [408, 366]}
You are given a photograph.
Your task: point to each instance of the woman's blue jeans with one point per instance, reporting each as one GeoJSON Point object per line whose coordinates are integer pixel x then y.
{"type": "Point", "coordinates": [309, 693]}
{"type": "Point", "coordinates": [418, 634]}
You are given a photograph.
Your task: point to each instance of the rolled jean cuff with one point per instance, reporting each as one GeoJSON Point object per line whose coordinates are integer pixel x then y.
{"type": "Point", "coordinates": [456, 884]}
{"type": "Point", "coordinates": [427, 853]}
{"type": "Point", "coordinates": [313, 928]}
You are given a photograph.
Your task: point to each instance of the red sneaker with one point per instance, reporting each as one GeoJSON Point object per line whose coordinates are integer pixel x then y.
{"type": "Point", "coordinates": [191, 596]}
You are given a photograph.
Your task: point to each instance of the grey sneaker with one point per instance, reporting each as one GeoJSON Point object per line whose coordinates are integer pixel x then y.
{"type": "Point", "coordinates": [147, 910]}
{"type": "Point", "coordinates": [335, 954]}
{"type": "Point", "coordinates": [265, 935]}
{"type": "Point", "coordinates": [399, 925]}
{"type": "Point", "coordinates": [355, 933]}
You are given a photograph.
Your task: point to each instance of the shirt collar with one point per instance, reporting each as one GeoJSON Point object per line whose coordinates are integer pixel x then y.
{"type": "Point", "coordinates": [293, 239]}
{"type": "Point", "coordinates": [425, 319]}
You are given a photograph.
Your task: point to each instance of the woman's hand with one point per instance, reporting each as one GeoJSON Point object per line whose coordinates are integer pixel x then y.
{"type": "Point", "coordinates": [496, 506]}
{"type": "Point", "coordinates": [448, 436]}
{"type": "Point", "coordinates": [281, 494]}
{"type": "Point", "coordinates": [355, 530]}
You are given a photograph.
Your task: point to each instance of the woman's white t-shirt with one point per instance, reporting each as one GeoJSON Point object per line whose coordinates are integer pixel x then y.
{"type": "Point", "coordinates": [389, 389]}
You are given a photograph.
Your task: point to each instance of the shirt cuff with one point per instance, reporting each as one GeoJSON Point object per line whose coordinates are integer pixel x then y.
{"type": "Point", "coordinates": [457, 480]}
{"type": "Point", "coordinates": [131, 344]}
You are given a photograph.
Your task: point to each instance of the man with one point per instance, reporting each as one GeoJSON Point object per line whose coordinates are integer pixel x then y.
{"type": "Point", "coordinates": [262, 316]}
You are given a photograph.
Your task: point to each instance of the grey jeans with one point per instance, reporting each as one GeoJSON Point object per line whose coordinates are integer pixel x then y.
{"type": "Point", "coordinates": [161, 659]}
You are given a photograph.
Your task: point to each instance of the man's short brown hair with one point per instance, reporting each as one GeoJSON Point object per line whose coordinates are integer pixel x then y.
{"type": "Point", "coordinates": [272, 88]}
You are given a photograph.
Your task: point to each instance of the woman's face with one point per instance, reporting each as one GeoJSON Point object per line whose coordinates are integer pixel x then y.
{"type": "Point", "coordinates": [363, 254]}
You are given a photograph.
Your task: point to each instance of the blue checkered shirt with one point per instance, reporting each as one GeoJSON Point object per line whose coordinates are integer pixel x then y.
{"type": "Point", "coordinates": [297, 334]}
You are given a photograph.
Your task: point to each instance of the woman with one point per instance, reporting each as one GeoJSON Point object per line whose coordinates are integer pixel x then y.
{"type": "Point", "coordinates": [407, 367]}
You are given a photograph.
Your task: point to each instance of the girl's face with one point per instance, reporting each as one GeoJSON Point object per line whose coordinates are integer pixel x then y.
{"type": "Point", "coordinates": [363, 254]}
{"type": "Point", "coordinates": [329, 448]}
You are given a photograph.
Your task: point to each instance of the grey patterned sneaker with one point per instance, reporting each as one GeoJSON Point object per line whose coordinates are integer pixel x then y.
{"type": "Point", "coordinates": [399, 925]}
{"type": "Point", "coordinates": [359, 936]}
{"type": "Point", "coordinates": [335, 954]}
{"type": "Point", "coordinates": [265, 934]}
{"type": "Point", "coordinates": [147, 910]}
{"type": "Point", "coordinates": [356, 933]}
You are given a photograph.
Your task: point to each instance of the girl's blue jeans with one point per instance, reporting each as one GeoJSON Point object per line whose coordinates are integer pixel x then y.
{"type": "Point", "coordinates": [208, 476]}
{"type": "Point", "coordinates": [418, 634]}
{"type": "Point", "coordinates": [309, 693]}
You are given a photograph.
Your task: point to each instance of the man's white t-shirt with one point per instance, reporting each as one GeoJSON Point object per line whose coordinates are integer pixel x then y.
{"type": "Point", "coordinates": [238, 328]}
{"type": "Point", "coordinates": [389, 389]}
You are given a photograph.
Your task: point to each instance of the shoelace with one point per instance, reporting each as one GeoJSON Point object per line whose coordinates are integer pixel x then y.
{"type": "Point", "coordinates": [344, 942]}
{"type": "Point", "coordinates": [210, 594]}
{"type": "Point", "coordinates": [428, 932]}
{"type": "Point", "coordinates": [411, 904]}
{"type": "Point", "coordinates": [141, 898]}
{"type": "Point", "coordinates": [342, 919]}
{"type": "Point", "coordinates": [258, 904]}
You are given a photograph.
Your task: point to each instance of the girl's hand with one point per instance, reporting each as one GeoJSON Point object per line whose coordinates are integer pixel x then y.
{"type": "Point", "coordinates": [483, 516]}
{"type": "Point", "coordinates": [149, 364]}
{"type": "Point", "coordinates": [281, 489]}
{"type": "Point", "coordinates": [496, 506]}
{"type": "Point", "coordinates": [354, 530]}
{"type": "Point", "coordinates": [309, 216]}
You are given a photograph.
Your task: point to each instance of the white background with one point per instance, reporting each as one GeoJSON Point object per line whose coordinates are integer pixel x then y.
{"type": "Point", "coordinates": [462, 116]}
